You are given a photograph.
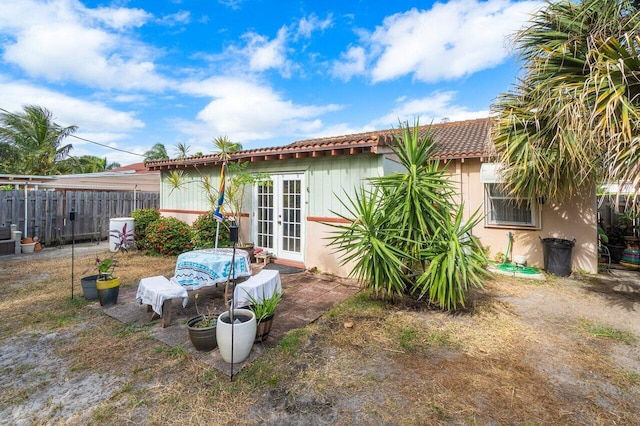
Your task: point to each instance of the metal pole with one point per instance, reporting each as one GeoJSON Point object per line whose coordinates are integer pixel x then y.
{"type": "Point", "coordinates": [72, 218]}
{"type": "Point", "coordinates": [26, 209]}
{"type": "Point", "coordinates": [215, 244]}
{"type": "Point", "coordinates": [233, 236]}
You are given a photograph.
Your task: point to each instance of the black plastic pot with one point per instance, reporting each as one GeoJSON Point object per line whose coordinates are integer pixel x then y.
{"type": "Point", "coordinates": [108, 291]}
{"type": "Point", "coordinates": [89, 287]}
{"type": "Point", "coordinates": [202, 338]}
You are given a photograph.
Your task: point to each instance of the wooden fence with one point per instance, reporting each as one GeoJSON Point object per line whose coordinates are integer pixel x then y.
{"type": "Point", "coordinates": [48, 212]}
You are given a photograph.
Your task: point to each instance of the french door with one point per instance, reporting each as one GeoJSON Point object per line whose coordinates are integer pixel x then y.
{"type": "Point", "coordinates": [280, 216]}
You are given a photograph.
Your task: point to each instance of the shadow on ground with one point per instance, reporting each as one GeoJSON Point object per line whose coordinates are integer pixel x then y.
{"type": "Point", "coordinates": [620, 287]}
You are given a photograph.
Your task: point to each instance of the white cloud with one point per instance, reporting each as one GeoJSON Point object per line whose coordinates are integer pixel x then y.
{"type": "Point", "coordinates": [452, 40]}
{"type": "Point", "coordinates": [68, 111]}
{"type": "Point", "coordinates": [308, 25]}
{"type": "Point", "coordinates": [117, 18]}
{"type": "Point", "coordinates": [61, 40]}
{"type": "Point", "coordinates": [178, 18]}
{"type": "Point", "coordinates": [95, 120]}
{"type": "Point", "coordinates": [264, 54]}
{"type": "Point", "coordinates": [231, 4]}
{"type": "Point", "coordinates": [353, 63]}
{"type": "Point", "coordinates": [246, 111]}
{"type": "Point", "coordinates": [434, 108]}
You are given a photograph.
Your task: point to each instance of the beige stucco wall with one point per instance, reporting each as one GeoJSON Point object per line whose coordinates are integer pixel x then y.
{"type": "Point", "coordinates": [319, 255]}
{"type": "Point", "coordinates": [574, 218]}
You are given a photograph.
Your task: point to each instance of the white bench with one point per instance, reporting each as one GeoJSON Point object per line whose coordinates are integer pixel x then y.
{"type": "Point", "coordinates": [263, 284]}
{"type": "Point", "coordinates": [157, 293]}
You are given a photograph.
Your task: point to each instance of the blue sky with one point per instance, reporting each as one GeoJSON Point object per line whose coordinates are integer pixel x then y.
{"type": "Point", "coordinates": [131, 74]}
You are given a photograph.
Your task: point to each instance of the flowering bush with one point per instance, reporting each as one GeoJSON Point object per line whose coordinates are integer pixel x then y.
{"type": "Point", "coordinates": [204, 232]}
{"type": "Point", "coordinates": [168, 236]}
{"type": "Point", "coordinates": [142, 219]}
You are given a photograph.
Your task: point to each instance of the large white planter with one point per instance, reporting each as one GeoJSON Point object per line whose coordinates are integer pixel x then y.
{"type": "Point", "coordinates": [244, 333]}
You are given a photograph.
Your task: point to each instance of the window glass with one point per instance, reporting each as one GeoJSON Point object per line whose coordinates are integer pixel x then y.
{"type": "Point", "coordinates": [503, 209]}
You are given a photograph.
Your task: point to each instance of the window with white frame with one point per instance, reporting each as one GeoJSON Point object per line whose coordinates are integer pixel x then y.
{"type": "Point", "coordinates": [503, 209]}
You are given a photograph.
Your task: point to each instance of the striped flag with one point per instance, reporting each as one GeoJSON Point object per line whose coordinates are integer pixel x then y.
{"type": "Point", "coordinates": [218, 213]}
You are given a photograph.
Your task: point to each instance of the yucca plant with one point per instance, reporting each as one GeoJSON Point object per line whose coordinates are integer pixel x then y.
{"type": "Point", "coordinates": [456, 263]}
{"type": "Point", "coordinates": [368, 241]}
{"type": "Point", "coordinates": [406, 234]}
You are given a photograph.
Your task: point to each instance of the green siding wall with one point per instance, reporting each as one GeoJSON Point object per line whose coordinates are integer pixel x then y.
{"type": "Point", "coordinates": [326, 179]}
{"type": "Point", "coordinates": [190, 195]}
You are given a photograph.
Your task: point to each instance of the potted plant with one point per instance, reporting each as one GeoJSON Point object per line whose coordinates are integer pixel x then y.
{"type": "Point", "coordinates": [264, 311]}
{"type": "Point", "coordinates": [107, 285]}
{"type": "Point", "coordinates": [202, 329]}
{"type": "Point", "coordinates": [236, 328]}
{"type": "Point", "coordinates": [240, 179]}
{"type": "Point", "coordinates": [242, 323]}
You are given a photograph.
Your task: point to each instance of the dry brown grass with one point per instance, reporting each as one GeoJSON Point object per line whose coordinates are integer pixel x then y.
{"type": "Point", "coordinates": [398, 363]}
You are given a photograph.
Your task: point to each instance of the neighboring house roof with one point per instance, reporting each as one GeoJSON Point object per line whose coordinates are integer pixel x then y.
{"type": "Point", "coordinates": [102, 181]}
{"type": "Point", "coordinates": [454, 140]}
{"type": "Point", "coordinates": [135, 167]}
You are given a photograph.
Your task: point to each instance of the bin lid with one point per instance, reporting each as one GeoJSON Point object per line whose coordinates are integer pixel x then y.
{"type": "Point", "coordinates": [558, 241]}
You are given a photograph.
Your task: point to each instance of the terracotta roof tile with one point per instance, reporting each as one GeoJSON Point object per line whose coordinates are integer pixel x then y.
{"type": "Point", "coordinates": [455, 140]}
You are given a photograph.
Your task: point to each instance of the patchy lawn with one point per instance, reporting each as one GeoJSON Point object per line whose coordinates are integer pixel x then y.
{"type": "Point", "coordinates": [565, 351]}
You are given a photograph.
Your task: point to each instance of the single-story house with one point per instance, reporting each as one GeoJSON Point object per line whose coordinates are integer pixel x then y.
{"type": "Point", "coordinates": [289, 218]}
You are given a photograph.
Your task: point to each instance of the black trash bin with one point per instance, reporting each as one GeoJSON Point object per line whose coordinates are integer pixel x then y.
{"type": "Point", "coordinates": [557, 256]}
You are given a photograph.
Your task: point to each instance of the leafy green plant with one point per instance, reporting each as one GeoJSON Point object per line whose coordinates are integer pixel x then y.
{"type": "Point", "coordinates": [204, 232]}
{"type": "Point", "coordinates": [456, 262]}
{"type": "Point", "coordinates": [208, 319]}
{"type": "Point", "coordinates": [168, 236]}
{"type": "Point", "coordinates": [369, 242]}
{"type": "Point", "coordinates": [266, 307]}
{"type": "Point", "coordinates": [142, 219]}
{"type": "Point", "coordinates": [406, 234]}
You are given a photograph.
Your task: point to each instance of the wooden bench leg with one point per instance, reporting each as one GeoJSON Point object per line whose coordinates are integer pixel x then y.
{"type": "Point", "coordinates": [166, 313]}
{"type": "Point", "coordinates": [154, 316]}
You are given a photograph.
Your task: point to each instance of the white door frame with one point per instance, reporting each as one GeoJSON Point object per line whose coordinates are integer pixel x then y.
{"type": "Point", "coordinates": [279, 223]}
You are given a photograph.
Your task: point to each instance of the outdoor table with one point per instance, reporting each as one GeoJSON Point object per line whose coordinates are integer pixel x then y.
{"type": "Point", "coordinates": [201, 268]}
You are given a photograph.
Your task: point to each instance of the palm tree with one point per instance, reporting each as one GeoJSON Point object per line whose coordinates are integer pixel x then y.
{"type": "Point", "coordinates": [225, 147]}
{"type": "Point", "coordinates": [35, 141]}
{"type": "Point", "coordinates": [574, 117]}
{"type": "Point", "coordinates": [182, 150]}
{"type": "Point", "coordinates": [157, 152]}
{"type": "Point", "coordinates": [89, 164]}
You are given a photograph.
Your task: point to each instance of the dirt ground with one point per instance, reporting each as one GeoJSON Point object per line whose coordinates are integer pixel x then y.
{"type": "Point", "coordinates": [564, 351]}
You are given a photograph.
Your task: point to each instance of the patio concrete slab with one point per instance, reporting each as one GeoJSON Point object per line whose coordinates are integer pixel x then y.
{"type": "Point", "coordinates": [307, 296]}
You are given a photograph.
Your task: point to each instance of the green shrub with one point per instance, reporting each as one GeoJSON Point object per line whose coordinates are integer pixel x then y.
{"type": "Point", "coordinates": [168, 236]}
{"type": "Point", "coordinates": [204, 232]}
{"type": "Point", "coordinates": [408, 234]}
{"type": "Point", "coordinates": [142, 218]}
